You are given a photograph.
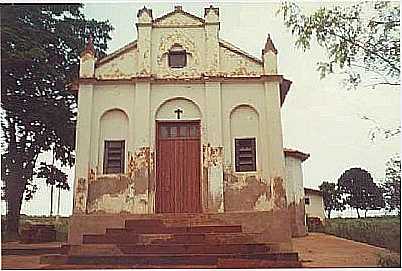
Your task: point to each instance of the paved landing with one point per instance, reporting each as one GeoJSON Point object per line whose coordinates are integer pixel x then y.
{"type": "Point", "coordinates": [323, 250]}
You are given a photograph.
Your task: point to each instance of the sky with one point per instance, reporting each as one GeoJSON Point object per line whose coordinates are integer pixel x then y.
{"type": "Point", "coordinates": [319, 117]}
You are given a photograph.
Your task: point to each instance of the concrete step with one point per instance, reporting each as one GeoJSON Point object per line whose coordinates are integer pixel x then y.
{"type": "Point", "coordinates": [34, 251]}
{"type": "Point", "coordinates": [60, 262]}
{"type": "Point", "coordinates": [252, 263]}
{"type": "Point", "coordinates": [158, 229]}
{"type": "Point", "coordinates": [110, 238]}
{"type": "Point", "coordinates": [193, 248]}
{"type": "Point", "coordinates": [116, 249]}
{"type": "Point", "coordinates": [178, 238]}
{"type": "Point", "coordinates": [141, 223]}
{"type": "Point", "coordinates": [175, 259]}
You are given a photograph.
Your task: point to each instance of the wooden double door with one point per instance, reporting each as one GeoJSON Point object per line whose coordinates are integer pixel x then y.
{"type": "Point", "coordinates": [178, 166]}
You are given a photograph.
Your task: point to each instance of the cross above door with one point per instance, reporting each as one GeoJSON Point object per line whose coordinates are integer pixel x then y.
{"type": "Point", "coordinates": [178, 111]}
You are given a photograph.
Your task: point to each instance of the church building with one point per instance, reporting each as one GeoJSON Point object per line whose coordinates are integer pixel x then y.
{"type": "Point", "coordinates": [180, 122]}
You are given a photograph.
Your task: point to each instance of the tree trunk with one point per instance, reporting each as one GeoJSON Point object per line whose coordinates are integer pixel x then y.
{"type": "Point", "coordinates": [15, 181]}
{"type": "Point", "coordinates": [12, 220]}
{"type": "Point", "coordinates": [329, 214]}
{"type": "Point", "coordinates": [15, 192]}
{"type": "Point", "coordinates": [358, 214]}
{"type": "Point", "coordinates": [365, 213]}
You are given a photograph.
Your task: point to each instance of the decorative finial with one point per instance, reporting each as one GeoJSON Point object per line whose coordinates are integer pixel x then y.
{"type": "Point", "coordinates": [144, 9]}
{"type": "Point", "coordinates": [211, 7]}
{"type": "Point", "coordinates": [89, 47]}
{"type": "Point", "coordinates": [269, 46]}
{"type": "Point", "coordinates": [178, 8]}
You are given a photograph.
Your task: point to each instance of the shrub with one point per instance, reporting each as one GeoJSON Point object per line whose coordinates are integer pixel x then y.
{"type": "Point", "coordinates": [379, 231]}
{"type": "Point", "coordinates": [314, 224]}
{"type": "Point", "coordinates": [389, 260]}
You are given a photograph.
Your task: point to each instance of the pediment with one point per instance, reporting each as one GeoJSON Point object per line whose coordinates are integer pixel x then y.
{"type": "Point", "coordinates": [236, 62]}
{"type": "Point", "coordinates": [178, 18]}
{"type": "Point", "coordinates": [121, 64]}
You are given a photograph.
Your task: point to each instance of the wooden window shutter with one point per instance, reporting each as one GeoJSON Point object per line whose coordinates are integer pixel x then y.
{"type": "Point", "coordinates": [113, 161]}
{"type": "Point", "coordinates": [245, 154]}
{"type": "Point", "coordinates": [177, 59]}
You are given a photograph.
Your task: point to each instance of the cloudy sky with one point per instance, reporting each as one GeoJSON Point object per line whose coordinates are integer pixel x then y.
{"type": "Point", "coordinates": [319, 117]}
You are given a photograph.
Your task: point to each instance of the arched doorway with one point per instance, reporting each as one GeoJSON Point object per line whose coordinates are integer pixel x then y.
{"type": "Point", "coordinates": [178, 158]}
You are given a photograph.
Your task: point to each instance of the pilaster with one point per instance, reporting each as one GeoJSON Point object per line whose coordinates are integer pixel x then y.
{"type": "Point", "coordinates": [213, 150]}
{"type": "Point", "coordinates": [141, 160]}
{"type": "Point", "coordinates": [274, 146]}
{"type": "Point", "coordinates": [144, 30]}
{"type": "Point", "coordinates": [83, 148]}
{"type": "Point", "coordinates": [211, 40]}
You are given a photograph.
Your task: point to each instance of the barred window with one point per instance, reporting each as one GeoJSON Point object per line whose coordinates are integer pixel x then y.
{"type": "Point", "coordinates": [113, 161]}
{"type": "Point", "coordinates": [177, 57]}
{"type": "Point", "coordinates": [245, 154]}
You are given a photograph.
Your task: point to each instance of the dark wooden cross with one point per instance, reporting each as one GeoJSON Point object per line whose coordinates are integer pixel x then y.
{"type": "Point", "coordinates": [178, 112]}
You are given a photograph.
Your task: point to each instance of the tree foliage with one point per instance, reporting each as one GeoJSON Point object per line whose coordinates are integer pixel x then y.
{"type": "Point", "coordinates": [360, 190]}
{"type": "Point", "coordinates": [392, 184]}
{"type": "Point", "coordinates": [40, 54]}
{"type": "Point", "coordinates": [332, 198]}
{"type": "Point", "coordinates": [362, 39]}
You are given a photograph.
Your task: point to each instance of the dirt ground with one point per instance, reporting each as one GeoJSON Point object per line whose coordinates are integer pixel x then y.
{"type": "Point", "coordinates": [315, 250]}
{"type": "Point", "coordinates": [323, 250]}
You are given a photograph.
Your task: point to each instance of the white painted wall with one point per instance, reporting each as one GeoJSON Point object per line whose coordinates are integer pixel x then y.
{"type": "Point", "coordinates": [294, 180]}
{"type": "Point", "coordinates": [107, 98]}
{"type": "Point", "coordinates": [316, 206]}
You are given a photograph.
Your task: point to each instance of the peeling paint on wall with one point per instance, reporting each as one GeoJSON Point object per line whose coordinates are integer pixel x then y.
{"type": "Point", "coordinates": [91, 175]}
{"type": "Point", "coordinates": [184, 39]}
{"type": "Point", "coordinates": [243, 192]}
{"type": "Point", "coordinates": [234, 64]}
{"type": "Point", "coordinates": [80, 196]}
{"type": "Point", "coordinates": [279, 193]}
{"type": "Point", "coordinates": [297, 218]}
{"type": "Point", "coordinates": [116, 193]}
{"type": "Point", "coordinates": [122, 67]}
{"type": "Point", "coordinates": [213, 176]}
{"type": "Point", "coordinates": [141, 159]}
{"type": "Point", "coordinates": [212, 156]}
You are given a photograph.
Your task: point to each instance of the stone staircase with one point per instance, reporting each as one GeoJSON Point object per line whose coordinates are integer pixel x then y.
{"type": "Point", "coordinates": [176, 242]}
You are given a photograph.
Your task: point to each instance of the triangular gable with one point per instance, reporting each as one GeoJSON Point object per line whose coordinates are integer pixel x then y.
{"type": "Point", "coordinates": [178, 18]}
{"type": "Point", "coordinates": [238, 51]}
{"type": "Point", "coordinates": [235, 62]}
{"type": "Point", "coordinates": [117, 53]}
{"type": "Point", "coordinates": [121, 64]}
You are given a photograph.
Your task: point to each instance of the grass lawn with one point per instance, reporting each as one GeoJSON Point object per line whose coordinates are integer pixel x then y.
{"type": "Point", "coordinates": [379, 231]}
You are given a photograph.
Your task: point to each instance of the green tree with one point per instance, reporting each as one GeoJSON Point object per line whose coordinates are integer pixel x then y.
{"type": "Point", "coordinates": [392, 184]}
{"type": "Point", "coordinates": [361, 191]}
{"type": "Point", "coordinates": [40, 54]}
{"type": "Point", "coordinates": [332, 198]}
{"type": "Point", "coordinates": [362, 39]}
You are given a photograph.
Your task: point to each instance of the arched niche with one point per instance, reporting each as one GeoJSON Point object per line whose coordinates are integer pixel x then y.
{"type": "Point", "coordinates": [170, 109]}
{"type": "Point", "coordinates": [244, 121]}
{"type": "Point", "coordinates": [113, 126]}
{"type": "Point", "coordinates": [244, 125]}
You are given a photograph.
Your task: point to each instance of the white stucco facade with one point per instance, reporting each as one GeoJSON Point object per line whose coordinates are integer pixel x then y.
{"type": "Point", "coordinates": [232, 94]}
